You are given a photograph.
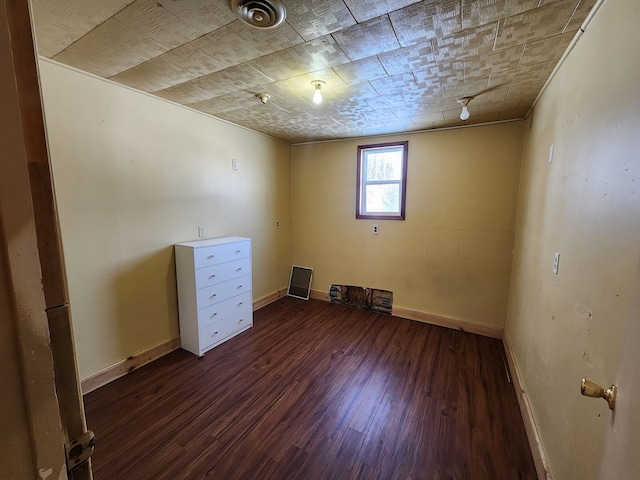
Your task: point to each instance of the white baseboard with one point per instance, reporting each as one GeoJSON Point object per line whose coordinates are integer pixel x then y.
{"type": "Point", "coordinates": [456, 324]}
{"type": "Point", "coordinates": [117, 370]}
{"type": "Point", "coordinates": [537, 451]}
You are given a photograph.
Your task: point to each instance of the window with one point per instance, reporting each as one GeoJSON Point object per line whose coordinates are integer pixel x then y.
{"type": "Point", "coordinates": [382, 181]}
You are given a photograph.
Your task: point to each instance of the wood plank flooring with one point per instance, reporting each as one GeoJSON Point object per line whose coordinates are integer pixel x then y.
{"type": "Point", "coordinates": [317, 391]}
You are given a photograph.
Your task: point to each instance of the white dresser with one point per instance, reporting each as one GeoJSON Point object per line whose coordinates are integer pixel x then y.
{"type": "Point", "coordinates": [214, 291]}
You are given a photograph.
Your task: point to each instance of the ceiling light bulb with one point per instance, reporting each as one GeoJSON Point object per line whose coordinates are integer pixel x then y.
{"type": "Point", "coordinates": [464, 101]}
{"type": "Point", "coordinates": [317, 96]}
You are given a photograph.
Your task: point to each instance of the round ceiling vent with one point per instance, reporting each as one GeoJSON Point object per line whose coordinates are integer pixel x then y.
{"type": "Point", "coordinates": [259, 13]}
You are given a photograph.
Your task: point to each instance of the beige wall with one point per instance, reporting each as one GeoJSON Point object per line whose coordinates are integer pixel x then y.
{"type": "Point", "coordinates": [133, 175]}
{"type": "Point", "coordinates": [585, 205]}
{"type": "Point", "coordinates": [452, 254]}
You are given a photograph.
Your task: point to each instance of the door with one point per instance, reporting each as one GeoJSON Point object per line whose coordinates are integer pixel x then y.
{"type": "Point", "coordinates": [621, 460]}
{"type": "Point", "coordinates": [38, 338]}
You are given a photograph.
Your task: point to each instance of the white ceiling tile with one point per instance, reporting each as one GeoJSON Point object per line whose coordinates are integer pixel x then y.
{"type": "Point", "coordinates": [185, 93]}
{"type": "Point", "coordinates": [230, 80]}
{"type": "Point", "coordinates": [363, 70]}
{"type": "Point", "coordinates": [171, 68]}
{"type": "Point", "coordinates": [59, 23]}
{"type": "Point", "coordinates": [206, 15]}
{"type": "Point", "coordinates": [364, 10]}
{"type": "Point", "coordinates": [543, 22]}
{"type": "Point", "coordinates": [481, 12]}
{"type": "Point", "coordinates": [238, 42]}
{"type": "Point", "coordinates": [367, 39]}
{"type": "Point", "coordinates": [408, 59]}
{"type": "Point", "coordinates": [109, 49]}
{"type": "Point", "coordinates": [316, 18]}
{"type": "Point", "coordinates": [311, 56]}
{"type": "Point", "coordinates": [151, 20]}
{"type": "Point", "coordinates": [425, 20]}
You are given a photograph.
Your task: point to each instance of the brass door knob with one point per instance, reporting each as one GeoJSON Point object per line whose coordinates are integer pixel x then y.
{"type": "Point", "coordinates": [589, 388]}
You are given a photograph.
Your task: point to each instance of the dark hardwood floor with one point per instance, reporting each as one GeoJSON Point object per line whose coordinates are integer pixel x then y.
{"type": "Point", "coordinates": [317, 391]}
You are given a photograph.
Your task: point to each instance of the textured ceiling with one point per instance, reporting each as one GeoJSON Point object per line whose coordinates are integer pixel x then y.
{"type": "Point", "coordinates": [389, 65]}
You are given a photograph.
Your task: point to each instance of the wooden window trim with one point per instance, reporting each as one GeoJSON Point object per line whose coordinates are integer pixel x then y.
{"type": "Point", "coordinates": [403, 181]}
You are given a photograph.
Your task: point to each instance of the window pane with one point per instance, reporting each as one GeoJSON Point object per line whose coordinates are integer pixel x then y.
{"type": "Point", "coordinates": [383, 165]}
{"type": "Point", "coordinates": [383, 198]}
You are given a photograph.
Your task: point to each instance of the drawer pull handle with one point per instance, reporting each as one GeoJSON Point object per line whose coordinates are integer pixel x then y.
{"type": "Point", "coordinates": [212, 295]}
{"type": "Point", "coordinates": [214, 334]}
{"type": "Point", "coordinates": [239, 287]}
{"type": "Point", "coordinates": [210, 256]}
{"type": "Point", "coordinates": [241, 320]}
{"type": "Point", "coordinates": [213, 314]}
{"type": "Point", "coordinates": [238, 251]}
{"type": "Point", "coordinates": [238, 269]}
{"type": "Point", "coordinates": [240, 304]}
{"type": "Point", "coordinates": [211, 276]}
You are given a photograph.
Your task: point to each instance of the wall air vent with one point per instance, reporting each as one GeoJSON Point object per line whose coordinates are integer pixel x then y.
{"type": "Point", "coordinates": [259, 13]}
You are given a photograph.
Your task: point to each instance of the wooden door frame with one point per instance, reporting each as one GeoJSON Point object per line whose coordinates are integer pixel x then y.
{"type": "Point", "coordinates": [30, 244]}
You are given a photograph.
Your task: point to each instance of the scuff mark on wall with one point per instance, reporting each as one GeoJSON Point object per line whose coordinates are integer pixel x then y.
{"type": "Point", "coordinates": [587, 359]}
{"type": "Point", "coordinates": [584, 312]}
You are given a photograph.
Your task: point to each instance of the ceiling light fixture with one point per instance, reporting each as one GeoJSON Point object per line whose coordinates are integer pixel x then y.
{"type": "Point", "coordinates": [317, 97]}
{"type": "Point", "coordinates": [263, 97]}
{"type": "Point", "coordinates": [464, 101]}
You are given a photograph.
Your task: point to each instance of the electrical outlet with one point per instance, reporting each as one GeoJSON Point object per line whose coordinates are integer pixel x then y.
{"type": "Point", "coordinates": [376, 229]}
{"type": "Point", "coordinates": [234, 164]}
{"type": "Point", "coordinates": [277, 223]}
{"type": "Point", "coordinates": [556, 262]}
{"type": "Point", "coordinates": [200, 232]}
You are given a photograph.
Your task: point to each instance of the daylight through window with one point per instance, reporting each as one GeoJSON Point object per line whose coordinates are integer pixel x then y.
{"type": "Point", "coordinates": [382, 178]}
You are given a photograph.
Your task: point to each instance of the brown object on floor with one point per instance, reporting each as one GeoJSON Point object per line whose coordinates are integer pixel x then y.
{"type": "Point", "coordinates": [361, 297]}
{"type": "Point", "coordinates": [317, 391]}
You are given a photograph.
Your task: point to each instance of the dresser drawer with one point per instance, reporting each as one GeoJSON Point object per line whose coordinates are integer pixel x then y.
{"type": "Point", "coordinates": [221, 291]}
{"type": "Point", "coordinates": [224, 309]}
{"type": "Point", "coordinates": [213, 255]}
{"type": "Point", "coordinates": [218, 331]}
{"type": "Point", "coordinates": [223, 272]}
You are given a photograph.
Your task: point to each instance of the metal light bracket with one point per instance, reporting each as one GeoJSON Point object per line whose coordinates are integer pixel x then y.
{"type": "Point", "coordinates": [464, 101]}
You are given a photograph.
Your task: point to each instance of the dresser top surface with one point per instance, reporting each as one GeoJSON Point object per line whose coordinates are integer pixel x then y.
{"type": "Point", "coordinates": [209, 242]}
